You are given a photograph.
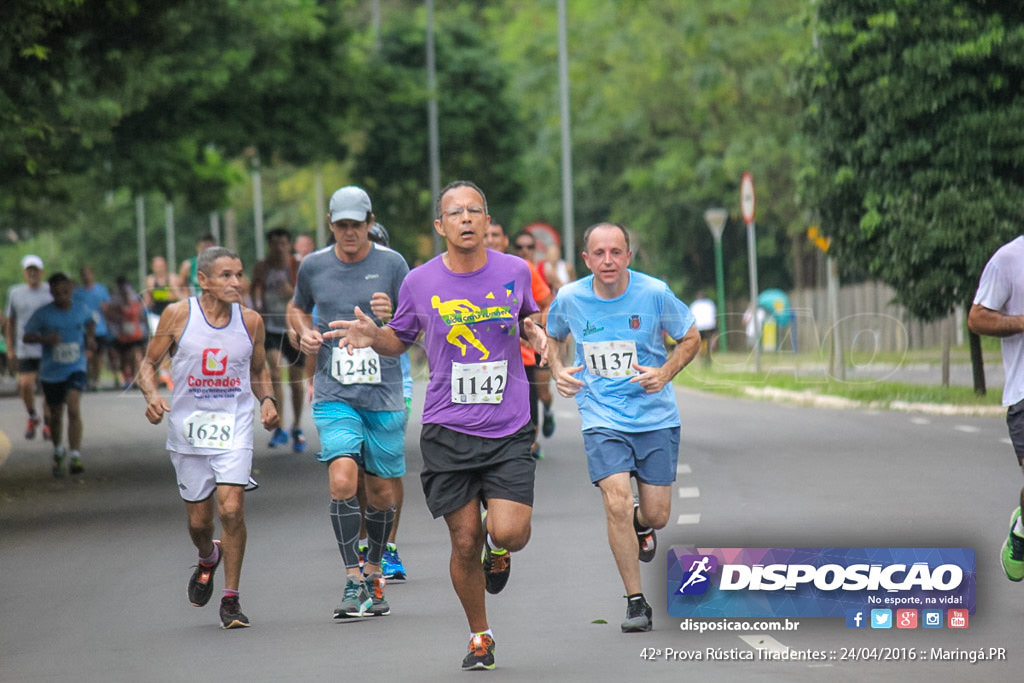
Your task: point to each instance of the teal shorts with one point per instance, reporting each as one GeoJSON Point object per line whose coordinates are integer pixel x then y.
{"type": "Point", "coordinates": [375, 439]}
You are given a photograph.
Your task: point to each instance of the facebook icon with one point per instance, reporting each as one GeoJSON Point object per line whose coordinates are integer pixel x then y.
{"type": "Point", "coordinates": [855, 618]}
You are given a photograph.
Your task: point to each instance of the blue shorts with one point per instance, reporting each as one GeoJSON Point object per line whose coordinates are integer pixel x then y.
{"type": "Point", "coordinates": [375, 439]}
{"type": "Point", "coordinates": [649, 456]}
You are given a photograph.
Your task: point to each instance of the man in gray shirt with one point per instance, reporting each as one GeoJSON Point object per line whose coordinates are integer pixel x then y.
{"type": "Point", "coordinates": [358, 406]}
{"type": "Point", "coordinates": [22, 301]}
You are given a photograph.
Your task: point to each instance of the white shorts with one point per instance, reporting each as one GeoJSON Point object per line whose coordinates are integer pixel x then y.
{"type": "Point", "coordinates": [199, 475]}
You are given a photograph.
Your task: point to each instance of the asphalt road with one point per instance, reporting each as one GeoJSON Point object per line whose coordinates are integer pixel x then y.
{"type": "Point", "coordinates": [93, 568]}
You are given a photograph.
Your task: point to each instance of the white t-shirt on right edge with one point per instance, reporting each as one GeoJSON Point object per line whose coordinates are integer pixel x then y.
{"type": "Point", "coordinates": [1001, 288]}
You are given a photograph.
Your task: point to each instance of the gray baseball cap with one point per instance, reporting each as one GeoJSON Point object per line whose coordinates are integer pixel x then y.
{"type": "Point", "coordinates": [351, 203]}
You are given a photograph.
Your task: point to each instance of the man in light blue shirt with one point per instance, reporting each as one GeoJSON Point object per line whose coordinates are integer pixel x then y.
{"type": "Point", "coordinates": [622, 380]}
{"type": "Point", "coordinates": [66, 330]}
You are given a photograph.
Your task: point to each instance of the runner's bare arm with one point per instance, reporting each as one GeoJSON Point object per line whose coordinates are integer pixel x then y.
{"type": "Point", "coordinates": [982, 320]}
{"type": "Point", "coordinates": [301, 324]}
{"type": "Point", "coordinates": [172, 323]}
{"type": "Point", "coordinates": [259, 373]}
{"type": "Point", "coordinates": [654, 379]}
{"type": "Point", "coordinates": [566, 382]}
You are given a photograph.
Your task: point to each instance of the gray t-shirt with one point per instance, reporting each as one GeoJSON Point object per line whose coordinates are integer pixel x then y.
{"type": "Point", "coordinates": [22, 302]}
{"type": "Point", "coordinates": [335, 288]}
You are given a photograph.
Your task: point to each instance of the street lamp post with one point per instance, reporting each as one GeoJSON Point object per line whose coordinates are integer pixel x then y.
{"type": "Point", "coordinates": [716, 218]}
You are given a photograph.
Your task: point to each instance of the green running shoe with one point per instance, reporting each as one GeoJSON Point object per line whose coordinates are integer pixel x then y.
{"type": "Point", "coordinates": [1012, 555]}
{"type": "Point", "coordinates": [356, 601]}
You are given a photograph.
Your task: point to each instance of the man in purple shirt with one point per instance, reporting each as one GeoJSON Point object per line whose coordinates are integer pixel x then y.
{"type": "Point", "coordinates": [468, 303]}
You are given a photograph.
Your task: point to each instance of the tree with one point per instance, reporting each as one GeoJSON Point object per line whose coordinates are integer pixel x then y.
{"type": "Point", "coordinates": [916, 117]}
{"type": "Point", "coordinates": [480, 135]}
{"type": "Point", "coordinates": [671, 102]}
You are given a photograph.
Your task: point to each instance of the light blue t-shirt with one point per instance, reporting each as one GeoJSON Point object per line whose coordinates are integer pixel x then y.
{"type": "Point", "coordinates": [606, 331]}
{"type": "Point", "coordinates": [68, 356]}
{"type": "Point", "coordinates": [93, 298]}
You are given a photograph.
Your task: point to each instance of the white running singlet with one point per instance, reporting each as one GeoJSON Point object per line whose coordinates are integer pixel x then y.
{"type": "Point", "coordinates": [212, 406]}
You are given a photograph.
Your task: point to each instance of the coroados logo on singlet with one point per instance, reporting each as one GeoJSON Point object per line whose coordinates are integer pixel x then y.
{"type": "Point", "coordinates": [213, 379]}
{"type": "Point", "coordinates": [215, 361]}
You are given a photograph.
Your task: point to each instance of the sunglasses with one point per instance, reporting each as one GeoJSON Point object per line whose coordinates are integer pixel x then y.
{"type": "Point", "coordinates": [525, 246]}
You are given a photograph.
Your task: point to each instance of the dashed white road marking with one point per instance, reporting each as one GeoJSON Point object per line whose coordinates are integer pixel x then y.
{"type": "Point", "coordinates": [920, 421]}
{"type": "Point", "coordinates": [689, 492]}
{"type": "Point", "coordinates": [764, 642]}
{"type": "Point", "coordinates": [688, 519]}
{"type": "Point", "coordinates": [967, 429]}
{"type": "Point", "coordinates": [683, 469]}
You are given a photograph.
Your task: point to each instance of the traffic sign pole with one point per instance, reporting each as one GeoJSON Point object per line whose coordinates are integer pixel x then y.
{"type": "Point", "coordinates": [747, 203]}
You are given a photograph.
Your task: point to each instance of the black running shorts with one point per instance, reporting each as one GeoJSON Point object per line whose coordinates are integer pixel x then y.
{"type": "Point", "coordinates": [459, 467]}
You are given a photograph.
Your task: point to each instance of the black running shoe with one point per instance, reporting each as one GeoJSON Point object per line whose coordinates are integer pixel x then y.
{"type": "Point", "coordinates": [497, 567]}
{"type": "Point", "coordinates": [646, 538]}
{"type": "Point", "coordinates": [481, 653]}
{"type": "Point", "coordinates": [200, 586]}
{"type": "Point", "coordinates": [548, 427]}
{"type": "Point", "coordinates": [638, 615]}
{"type": "Point", "coordinates": [230, 614]}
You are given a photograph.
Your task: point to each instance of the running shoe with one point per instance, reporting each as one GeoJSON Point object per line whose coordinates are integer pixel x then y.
{"type": "Point", "coordinates": [279, 438]}
{"type": "Point", "coordinates": [76, 466]}
{"type": "Point", "coordinates": [30, 427]}
{"type": "Point", "coordinates": [481, 653]}
{"type": "Point", "coordinates": [362, 549]}
{"type": "Point", "coordinates": [58, 461]}
{"type": "Point", "coordinates": [1012, 555]}
{"type": "Point", "coordinates": [391, 566]}
{"type": "Point", "coordinates": [548, 428]}
{"type": "Point", "coordinates": [230, 614]}
{"type": "Point", "coordinates": [497, 567]}
{"type": "Point", "coordinates": [298, 441]}
{"type": "Point", "coordinates": [200, 586]}
{"type": "Point", "coordinates": [536, 452]}
{"type": "Point", "coordinates": [638, 615]}
{"type": "Point", "coordinates": [46, 432]}
{"type": "Point", "coordinates": [646, 538]}
{"type": "Point", "coordinates": [375, 587]}
{"type": "Point", "coordinates": [356, 602]}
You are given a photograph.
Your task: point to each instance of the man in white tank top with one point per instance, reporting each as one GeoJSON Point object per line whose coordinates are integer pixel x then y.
{"type": "Point", "coordinates": [218, 366]}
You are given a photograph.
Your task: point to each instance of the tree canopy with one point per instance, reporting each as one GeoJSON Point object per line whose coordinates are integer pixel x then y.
{"type": "Point", "coordinates": [915, 117]}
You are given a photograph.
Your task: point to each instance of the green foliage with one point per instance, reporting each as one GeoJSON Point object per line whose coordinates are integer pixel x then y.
{"type": "Point", "coordinates": [916, 116]}
{"type": "Point", "coordinates": [671, 103]}
{"type": "Point", "coordinates": [479, 134]}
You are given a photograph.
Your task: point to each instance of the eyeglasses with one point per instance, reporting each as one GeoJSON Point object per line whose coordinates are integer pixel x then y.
{"type": "Point", "coordinates": [528, 247]}
{"type": "Point", "coordinates": [456, 212]}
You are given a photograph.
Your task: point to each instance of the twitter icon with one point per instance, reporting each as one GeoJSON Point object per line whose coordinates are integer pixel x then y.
{"type": "Point", "coordinates": [881, 618]}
